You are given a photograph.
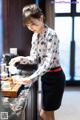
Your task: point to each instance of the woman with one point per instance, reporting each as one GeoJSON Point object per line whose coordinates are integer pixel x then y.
{"type": "Point", "coordinates": [44, 52]}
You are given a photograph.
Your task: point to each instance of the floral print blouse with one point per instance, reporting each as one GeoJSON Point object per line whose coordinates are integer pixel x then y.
{"type": "Point", "coordinates": [44, 52]}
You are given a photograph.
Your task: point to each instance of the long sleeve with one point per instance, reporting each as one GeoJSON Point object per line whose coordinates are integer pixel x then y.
{"type": "Point", "coordinates": [33, 58]}
{"type": "Point", "coordinates": [52, 46]}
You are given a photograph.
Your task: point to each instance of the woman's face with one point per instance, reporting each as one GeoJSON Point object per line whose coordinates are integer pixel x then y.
{"type": "Point", "coordinates": [36, 25]}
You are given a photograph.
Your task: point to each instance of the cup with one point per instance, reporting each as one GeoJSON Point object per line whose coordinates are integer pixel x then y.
{"type": "Point", "coordinates": [13, 51]}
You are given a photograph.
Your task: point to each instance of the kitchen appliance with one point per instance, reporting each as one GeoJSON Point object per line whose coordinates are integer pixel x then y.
{"type": "Point", "coordinates": [7, 57]}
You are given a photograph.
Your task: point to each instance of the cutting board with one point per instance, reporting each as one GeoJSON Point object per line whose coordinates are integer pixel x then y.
{"type": "Point", "coordinates": [13, 90]}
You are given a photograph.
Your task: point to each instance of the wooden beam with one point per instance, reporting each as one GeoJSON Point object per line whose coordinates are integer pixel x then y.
{"type": "Point", "coordinates": [50, 13]}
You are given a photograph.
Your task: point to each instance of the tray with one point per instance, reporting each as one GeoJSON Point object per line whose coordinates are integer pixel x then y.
{"type": "Point", "coordinates": [13, 91]}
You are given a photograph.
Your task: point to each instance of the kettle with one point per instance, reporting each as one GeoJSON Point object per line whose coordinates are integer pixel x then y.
{"type": "Point", "coordinates": [7, 57]}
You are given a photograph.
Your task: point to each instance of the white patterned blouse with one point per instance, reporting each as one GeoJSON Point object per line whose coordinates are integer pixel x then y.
{"type": "Point", "coordinates": [44, 52]}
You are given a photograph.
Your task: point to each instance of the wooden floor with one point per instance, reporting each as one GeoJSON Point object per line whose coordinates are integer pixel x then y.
{"type": "Point", "coordinates": [70, 108]}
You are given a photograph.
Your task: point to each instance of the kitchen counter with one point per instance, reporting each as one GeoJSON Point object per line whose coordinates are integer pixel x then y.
{"type": "Point", "coordinates": [23, 107]}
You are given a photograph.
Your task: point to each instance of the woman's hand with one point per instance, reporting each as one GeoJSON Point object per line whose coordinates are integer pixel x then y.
{"type": "Point", "coordinates": [24, 81]}
{"type": "Point", "coordinates": [16, 59]}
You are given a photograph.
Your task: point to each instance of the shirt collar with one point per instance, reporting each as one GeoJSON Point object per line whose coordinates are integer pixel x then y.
{"type": "Point", "coordinates": [43, 33]}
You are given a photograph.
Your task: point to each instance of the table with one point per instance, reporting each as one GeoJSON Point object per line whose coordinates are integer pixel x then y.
{"type": "Point", "coordinates": [24, 107]}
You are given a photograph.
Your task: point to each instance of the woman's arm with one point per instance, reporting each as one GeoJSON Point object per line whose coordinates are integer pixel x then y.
{"type": "Point", "coordinates": [33, 58]}
{"type": "Point", "coordinates": [52, 45]}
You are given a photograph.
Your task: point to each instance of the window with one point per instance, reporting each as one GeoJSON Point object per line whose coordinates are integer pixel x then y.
{"type": "Point", "coordinates": [62, 6]}
{"type": "Point", "coordinates": [77, 50]}
{"type": "Point", "coordinates": [65, 38]}
{"type": "Point", "coordinates": [77, 6]}
{"type": "Point", "coordinates": [67, 25]}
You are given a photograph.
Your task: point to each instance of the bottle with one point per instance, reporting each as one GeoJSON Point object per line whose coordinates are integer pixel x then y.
{"type": "Point", "coordinates": [3, 70]}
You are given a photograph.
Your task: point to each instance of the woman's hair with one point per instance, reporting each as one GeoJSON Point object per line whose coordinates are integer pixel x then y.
{"type": "Point", "coordinates": [31, 11]}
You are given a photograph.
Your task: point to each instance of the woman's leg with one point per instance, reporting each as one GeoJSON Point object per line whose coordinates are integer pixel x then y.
{"type": "Point", "coordinates": [47, 115]}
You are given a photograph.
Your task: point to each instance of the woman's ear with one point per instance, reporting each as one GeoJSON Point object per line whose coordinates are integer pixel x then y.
{"type": "Point", "coordinates": [42, 18]}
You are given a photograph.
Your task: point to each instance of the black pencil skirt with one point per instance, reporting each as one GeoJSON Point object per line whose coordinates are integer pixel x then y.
{"type": "Point", "coordinates": [53, 84]}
